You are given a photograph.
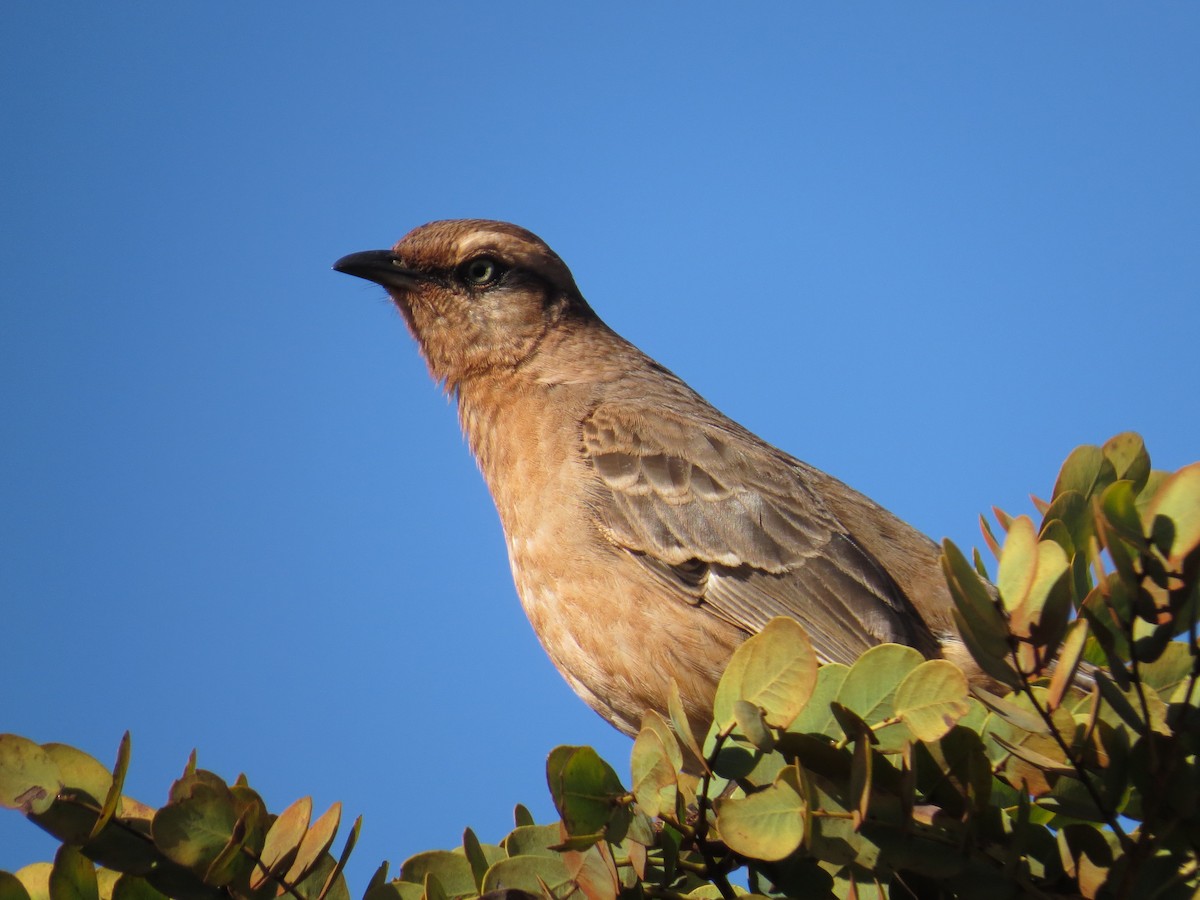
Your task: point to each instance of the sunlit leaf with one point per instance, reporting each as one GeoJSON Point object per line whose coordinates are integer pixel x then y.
{"type": "Point", "coordinates": [1173, 515]}
{"type": "Point", "coordinates": [870, 685]}
{"type": "Point", "coordinates": [775, 670]}
{"type": "Point", "coordinates": [29, 779]}
{"type": "Point", "coordinates": [451, 870]}
{"type": "Point", "coordinates": [315, 842]}
{"type": "Point", "coordinates": [766, 825]}
{"type": "Point", "coordinates": [932, 698]}
{"type": "Point", "coordinates": [283, 841]}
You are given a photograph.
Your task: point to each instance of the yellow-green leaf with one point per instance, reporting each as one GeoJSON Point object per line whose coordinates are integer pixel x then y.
{"type": "Point", "coordinates": [29, 778]}
{"type": "Point", "coordinates": [767, 825]}
{"type": "Point", "coordinates": [932, 698]}
{"type": "Point", "coordinates": [1177, 502]}
{"type": "Point", "coordinates": [775, 670]}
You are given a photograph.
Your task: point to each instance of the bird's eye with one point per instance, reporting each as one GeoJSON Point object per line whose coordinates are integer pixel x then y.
{"type": "Point", "coordinates": [480, 271]}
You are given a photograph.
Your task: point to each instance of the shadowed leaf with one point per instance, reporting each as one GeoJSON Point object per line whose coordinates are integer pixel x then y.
{"type": "Point", "coordinates": [586, 792]}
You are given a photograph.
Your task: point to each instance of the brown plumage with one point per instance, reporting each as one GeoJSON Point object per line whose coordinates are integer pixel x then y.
{"type": "Point", "coordinates": [648, 533]}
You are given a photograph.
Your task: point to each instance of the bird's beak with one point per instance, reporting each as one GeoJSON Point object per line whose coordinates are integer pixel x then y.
{"type": "Point", "coordinates": [381, 266]}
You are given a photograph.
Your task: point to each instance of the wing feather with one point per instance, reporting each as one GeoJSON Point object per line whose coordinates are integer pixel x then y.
{"type": "Point", "coordinates": [730, 524]}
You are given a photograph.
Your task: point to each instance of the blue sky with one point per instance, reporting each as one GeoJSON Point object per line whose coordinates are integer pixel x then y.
{"type": "Point", "coordinates": [927, 247]}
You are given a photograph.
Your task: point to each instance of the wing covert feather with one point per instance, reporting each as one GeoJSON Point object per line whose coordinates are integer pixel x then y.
{"type": "Point", "coordinates": [730, 524]}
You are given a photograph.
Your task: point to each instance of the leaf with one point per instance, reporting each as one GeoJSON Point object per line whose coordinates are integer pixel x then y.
{"type": "Point", "coordinates": [1173, 515]}
{"type": "Point", "coordinates": [870, 685]}
{"type": "Point", "coordinates": [1085, 470]}
{"type": "Point", "coordinates": [587, 792]}
{"type": "Point", "coordinates": [113, 797]}
{"type": "Point", "coordinates": [11, 887]}
{"type": "Point", "coordinates": [1017, 716]}
{"type": "Point", "coordinates": [530, 874]}
{"type": "Point", "coordinates": [1029, 570]}
{"type": "Point", "coordinates": [767, 825]}
{"type": "Point", "coordinates": [522, 816]}
{"type": "Point", "coordinates": [752, 725]}
{"type": "Point", "coordinates": [860, 782]}
{"type": "Point", "coordinates": [351, 840]}
{"type": "Point", "coordinates": [532, 840]}
{"type": "Point", "coordinates": [1130, 461]}
{"type": "Point", "coordinates": [682, 727]}
{"type": "Point", "coordinates": [932, 698]}
{"type": "Point", "coordinates": [315, 842]}
{"type": "Point", "coordinates": [594, 871]}
{"type": "Point", "coordinates": [1069, 655]}
{"type": "Point", "coordinates": [816, 717]}
{"type": "Point", "coordinates": [476, 858]}
{"type": "Point", "coordinates": [452, 871]}
{"type": "Point", "coordinates": [652, 772]}
{"type": "Point", "coordinates": [35, 878]}
{"type": "Point", "coordinates": [73, 876]}
{"type": "Point", "coordinates": [133, 887]}
{"type": "Point", "coordinates": [775, 670]}
{"type": "Point", "coordinates": [29, 779]}
{"type": "Point", "coordinates": [979, 622]}
{"type": "Point", "coordinates": [194, 828]}
{"type": "Point", "coordinates": [282, 842]}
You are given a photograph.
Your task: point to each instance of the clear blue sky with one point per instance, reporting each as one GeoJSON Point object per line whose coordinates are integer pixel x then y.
{"type": "Point", "coordinates": [927, 247]}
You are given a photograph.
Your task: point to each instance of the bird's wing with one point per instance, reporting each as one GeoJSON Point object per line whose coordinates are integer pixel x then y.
{"type": "Point", "coordinates": [732, 525]}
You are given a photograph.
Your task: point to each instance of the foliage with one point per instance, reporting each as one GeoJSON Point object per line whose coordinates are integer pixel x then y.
{"type": "Point", "coordinates": [890, 777]}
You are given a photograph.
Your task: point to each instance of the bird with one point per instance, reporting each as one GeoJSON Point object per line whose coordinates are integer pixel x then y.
{"type": "Point", "coordinates": [648, 534]}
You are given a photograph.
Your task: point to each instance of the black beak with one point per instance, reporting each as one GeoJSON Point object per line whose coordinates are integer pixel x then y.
{"type": "Point", "coordinates": [381, 266]}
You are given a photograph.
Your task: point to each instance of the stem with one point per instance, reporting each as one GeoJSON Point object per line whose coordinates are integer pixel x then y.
{"type": "Point", "coordinates": [715, 873]}
{"type": "Point", "coordinates": [1085, 779]}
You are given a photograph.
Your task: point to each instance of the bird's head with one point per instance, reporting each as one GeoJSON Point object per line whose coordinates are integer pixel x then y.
{"type": "Point", "coordinates": [477, 295]}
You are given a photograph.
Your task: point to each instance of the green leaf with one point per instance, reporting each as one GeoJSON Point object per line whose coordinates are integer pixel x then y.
{"type": "Point", "coordinates": [587, 792]}
{"type": "Point", "coordinates": [113, 797]}
{"type": "Point", "coordinates": [683, 728]}
{"type": "Point", "coordinates": [816, 717]}
{"type": "Point", "coordinates": [981, 625]}
{"type": "Point", "coordinates": [35, 877]}
{"type": "Point", "coordinates": [73, 876]}
{"type": "Point", "coordinates": [752, 725]}
{"type": "Point", "coordinates": [1130, 461]}
{"type": "Point", "coordinates": [1087, 471]}
{"type": "Point", "coordinates": [134, 887]}
{"type": "Point", "coordinates": [530, 873]}
{"type": "Point", "coordinates": [870, 685]}
{"type": "Point", "coordinates": [194, 828]}
{"type": "Point", "coordinates": [452, 871]}
{"type": "Point", "coordinates": [477, 857]}
{"type": "Point", "coordinates": [775, 670]}
{"type": "Point", "coordinates": [532, 840]}
{"type": "Point", "coordinates": [653, 772]}
{"type": "Point", "coordinates": [767, 825]}
{"type": "Point", "coordinates": [11, 887]}
{"type": "Point", "coordinates": [395, 890]}
{"type": "Point", "coordinates": [1173, 515]}
{"type": "Point", "coordinates": [932, 698]}
{"type": "Point", "coordinates": [522, 816]}
{"type": "Point", "coordinates": [29, 779]}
